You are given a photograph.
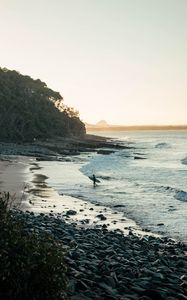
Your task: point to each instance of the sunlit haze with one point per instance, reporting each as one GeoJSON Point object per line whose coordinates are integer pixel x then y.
{"type": "Point", "coordinates": [124, 61]}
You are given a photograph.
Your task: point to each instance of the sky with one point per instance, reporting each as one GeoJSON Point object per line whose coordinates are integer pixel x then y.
{"type": "Point", "coordinates": [124, 61]}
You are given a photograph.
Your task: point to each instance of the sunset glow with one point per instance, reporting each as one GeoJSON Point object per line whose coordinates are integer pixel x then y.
{"type": "Point", "coordinates": [123, 61]}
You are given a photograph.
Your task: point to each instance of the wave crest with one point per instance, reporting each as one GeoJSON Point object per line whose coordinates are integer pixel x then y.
{"type": "Point", "coordinates": [162, 145]}
{"type": "Point", "coordinates": [178, 194]}
{"type": "Point", "coordinates": [181, 195]}
{"type": "Point", "coordinates": [184, 161]}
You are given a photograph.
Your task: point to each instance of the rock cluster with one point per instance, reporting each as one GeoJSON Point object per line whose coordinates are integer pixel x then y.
{"type": "Point", "coordinates": [102, 264]}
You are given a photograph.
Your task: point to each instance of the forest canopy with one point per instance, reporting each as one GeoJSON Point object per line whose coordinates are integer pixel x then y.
{"type": "Point", "coordinates": [30, 110]}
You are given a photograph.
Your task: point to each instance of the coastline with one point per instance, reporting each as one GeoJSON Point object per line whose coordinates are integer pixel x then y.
{"type": "Point", "coordinates": [40, 198]}
{"type": "Point", "coordinates": [22, 178]}
{"type": "Point", "coordinates": [102, 263]}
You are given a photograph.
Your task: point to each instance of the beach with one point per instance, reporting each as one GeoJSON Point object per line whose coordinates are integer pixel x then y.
{"type": "Point", "coordinates": [108, 255]}
{"type": "Point", "coordinates": [14, 176]}
{"type": "Point", "coordinates": [29, 192]}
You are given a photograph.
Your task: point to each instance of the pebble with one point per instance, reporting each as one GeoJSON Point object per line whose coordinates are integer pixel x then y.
{"type": "Point", "coordinates": [71, 212]}
{"type": "Point", "coordinates": [101, 217]}
{"type": "Point", "coordinates": [103, 264]}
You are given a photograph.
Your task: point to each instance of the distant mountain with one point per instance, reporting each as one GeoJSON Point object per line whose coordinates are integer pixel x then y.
{"type": "Point", "coordinates": [104, 126]}
{"type": "Point", "coordinates": [102, 123]}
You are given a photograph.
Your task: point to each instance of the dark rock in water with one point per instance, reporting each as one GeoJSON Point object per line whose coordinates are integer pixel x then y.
{"type": "Point", "coordinates": [119, 205]}
{"type": "Point", "coordinates": [101, 217]}
{"type": "Point", "coordinates": [160, 224]}
{"type": "Point", "coordinates": [46, 158]}
{"type": "Point", "coordinates": [139, 157]}
{"type": "Point", "coordinates": [105, 151]}
{"type": "Point", "coordinates": [71, 212]}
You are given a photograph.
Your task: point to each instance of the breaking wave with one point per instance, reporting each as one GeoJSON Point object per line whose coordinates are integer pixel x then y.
{"type": "Point", "coordinates": [181, 195]}
{"type": "Point", "coordinates": [178, 194]}
{"type": "Point", "coordinates": [184, 161]}
{"type": "Point", "coordinates": [162, 146]}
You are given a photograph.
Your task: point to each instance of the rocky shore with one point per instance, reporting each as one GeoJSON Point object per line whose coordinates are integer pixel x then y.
{"type": "Point", "coordinates": [58, 148]}
{"type": "Point", "coordinates": [102, 264]}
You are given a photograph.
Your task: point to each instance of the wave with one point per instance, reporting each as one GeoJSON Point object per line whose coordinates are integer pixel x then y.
{"type": "Point", "coordinates": [184, 161]}
{"type": "Point", "coordinates": [162, 146]}
{"type": "Point", "coordinates": [181, 195]}
{"type": "Point", "coordinates": [178, 194]}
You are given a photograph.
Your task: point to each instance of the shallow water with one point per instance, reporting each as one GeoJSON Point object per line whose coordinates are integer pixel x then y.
{"type": "Point", "coordinates": [152, 190]}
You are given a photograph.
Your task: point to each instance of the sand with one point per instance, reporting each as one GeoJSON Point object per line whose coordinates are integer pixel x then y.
{"type": "Point", "coordinates": [14, 176]}
{"type": "Point", "coordinates": [29, 191]}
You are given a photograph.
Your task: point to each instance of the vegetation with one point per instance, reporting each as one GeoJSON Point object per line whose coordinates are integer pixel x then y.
{"type": "Point", "coordinates": [32, 265]}
{"type": "Point", "coordinates": [30, 110]}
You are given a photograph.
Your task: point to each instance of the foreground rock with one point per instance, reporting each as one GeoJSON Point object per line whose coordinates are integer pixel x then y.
{"type": "Point", "coordinates": [109, 265]}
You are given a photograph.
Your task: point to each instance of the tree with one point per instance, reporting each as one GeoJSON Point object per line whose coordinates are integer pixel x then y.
{"type": "Point", "coordinates": [29, 109]}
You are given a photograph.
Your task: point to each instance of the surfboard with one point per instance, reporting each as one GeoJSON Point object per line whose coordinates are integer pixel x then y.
{"type": "Point", "coordinates": [91, 178]}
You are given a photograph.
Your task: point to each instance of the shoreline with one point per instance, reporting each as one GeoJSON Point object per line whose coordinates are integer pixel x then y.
{"type": "Point", "coordinates": [29, 192]}
{"type": "Point", "coordinates": [35, 195]}
{"type": "Point", "coordinates": [43, 198]}
{"type": "Point", "coordinates": [28, 158]}
{"type": "Point", "coordinates": [102, 263]}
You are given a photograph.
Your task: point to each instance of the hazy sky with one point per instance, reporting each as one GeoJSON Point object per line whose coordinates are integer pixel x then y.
{"type": "Point", "coordinates": [124, 61]}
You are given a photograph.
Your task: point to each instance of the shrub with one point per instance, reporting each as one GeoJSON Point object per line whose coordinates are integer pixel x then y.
{"type": "Point", "coordinates": [31, 265]}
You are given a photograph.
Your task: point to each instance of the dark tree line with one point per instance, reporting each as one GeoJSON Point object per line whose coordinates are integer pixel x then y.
{"type": "Point", "coordinates": [29, 109]}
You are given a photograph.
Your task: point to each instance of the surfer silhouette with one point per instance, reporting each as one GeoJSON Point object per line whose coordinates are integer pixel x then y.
{"type": "Point", "coordinates": [94, 180]}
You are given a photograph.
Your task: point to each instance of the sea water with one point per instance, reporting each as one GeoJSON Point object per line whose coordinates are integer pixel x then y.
{"type": "Point", "coordinates": [148, 180]}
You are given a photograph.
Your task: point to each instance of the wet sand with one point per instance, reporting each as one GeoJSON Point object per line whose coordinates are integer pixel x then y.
{"type": "Point", "coordinates": [14, 177]}
{"type": "Point", "coordinates": [44, 199]}
{"type": "Point", "coordinates": [23, 179]}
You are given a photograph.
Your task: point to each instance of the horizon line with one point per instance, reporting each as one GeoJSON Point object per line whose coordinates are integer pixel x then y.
{"type": "Point", "coordinates": [131, 125]}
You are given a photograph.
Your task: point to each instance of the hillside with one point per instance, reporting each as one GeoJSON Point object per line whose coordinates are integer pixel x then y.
{"type": "Point", "coordinates": [30, 110]}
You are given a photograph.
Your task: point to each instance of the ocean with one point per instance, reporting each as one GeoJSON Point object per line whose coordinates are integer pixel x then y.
{"type": "Point", "coordinates": [148, 181]}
